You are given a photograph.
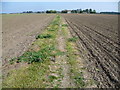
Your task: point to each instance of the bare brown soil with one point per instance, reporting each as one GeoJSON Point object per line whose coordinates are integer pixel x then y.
{"type": "Point", "coordinates": [98, 44]}
{"type": "Point", "coordinates": [19, 31]}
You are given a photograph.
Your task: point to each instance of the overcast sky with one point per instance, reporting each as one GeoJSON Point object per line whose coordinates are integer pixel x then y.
{"type": "Point", "coordinates": [13, 7]}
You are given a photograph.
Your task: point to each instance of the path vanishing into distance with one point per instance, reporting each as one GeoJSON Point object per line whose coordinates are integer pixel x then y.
{"type": "Point", "coordinates": [66, 53]}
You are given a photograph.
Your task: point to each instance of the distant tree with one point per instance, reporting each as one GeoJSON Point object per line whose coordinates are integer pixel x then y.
{"type": "Point", "coordinates": [24, 12]}
{"type": "Point", "coordinates": [84, 10]}
{"type": "Point", "coordinates": [38, 12]}
{"type": "Point", "coordinates": [64, 11]}
{"type": "Point", "coordinates": [78, 10]}
{"type": "Point", "coordinates": [43, 12]}
{"type": "Point", "coordinates": [90, 10]}
{"type": "Point", "coordinates": [87, 11]}
{"type": "Point", "coordinates": [81, 11]}
{"type": "Point", "coordinates": [94, 11]}
{"type": "Point", "coordinates": [110, 13]}
{"type": "Point", "coordinates": [47, 11]}
{"type": "Point", "coordinates": [51, 11]}
{"type": "Point", "coordinates": [74, 11]}
{"type": "Point", "coordinates": [28, 12]}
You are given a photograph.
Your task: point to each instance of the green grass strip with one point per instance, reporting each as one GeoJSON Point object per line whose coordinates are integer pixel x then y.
{"type": "Point", "coordinates": [38, 58]}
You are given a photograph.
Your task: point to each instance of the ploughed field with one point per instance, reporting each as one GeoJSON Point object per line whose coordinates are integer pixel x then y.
{"type": "Point", "coordinates": [98, 44]}
{"type": "Point", "coordinates": [19, 31]}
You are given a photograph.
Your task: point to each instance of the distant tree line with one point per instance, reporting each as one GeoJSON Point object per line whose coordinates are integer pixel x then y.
{"type": "Point", "coordinates": [79, 11]}
{"type": "Point", "coordinates": [51, 11]}
{"type": "Point", "coordinates": [28, 12]}
{"type": "Point", "coordinates": [33, 12]}
{"type": "Point", "coordinates": [109, 12]}
{"type": "Point", "coordinates": [64, 11]}
{"type": "Point", "coordinates": [70, 11]}
{"type": "Point", "coordinates": [83, 11]}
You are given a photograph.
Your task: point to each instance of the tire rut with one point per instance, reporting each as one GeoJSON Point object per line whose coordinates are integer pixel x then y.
{"type": "Point", "coordinates": [95, 53]}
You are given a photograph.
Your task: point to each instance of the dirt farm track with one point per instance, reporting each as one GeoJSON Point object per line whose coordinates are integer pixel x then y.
{"type": "Point", "coordinates": [97, 34]}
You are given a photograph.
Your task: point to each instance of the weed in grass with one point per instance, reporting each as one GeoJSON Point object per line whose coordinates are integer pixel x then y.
{"type": "Point", "coordinates": [56, 87]}
{"type": "Point", "coordinates": [73, 39]}
{"type": "Point", "coordinates": [59, 80]}
{"type": "Point", "coordinates": [75, 74]}
{"type": "Point", "coordinates": [44, 36]}
{"type": "Point", "coordinates": [31, 57]}
{"type": "Point", "coordinates": [79, 81]}
{"type": "Point", "coordinates": [51, 78]}
{"type": "Point", "coordinates": [65, 25]}
{"type": "Point", "coordinates": [51, 30]}
{"type": "Point", "coordinates": [39, 56]}
{"type": "Point", "coordinates": [12, 61]}
{"type": "Point", "coordinates": [61, 76]}
{"type": "Point", "coordinates": [59, 53]}
{"type": "Point", "coordinates": [55, 23]}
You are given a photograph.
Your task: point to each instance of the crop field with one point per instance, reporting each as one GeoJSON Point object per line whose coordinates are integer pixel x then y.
{"type": "Point", "coordinates": [19, 31]}
{"type": "Point", "coordinates": [60, 51]}
{"type": "Point", "coordinates": [98, 44]}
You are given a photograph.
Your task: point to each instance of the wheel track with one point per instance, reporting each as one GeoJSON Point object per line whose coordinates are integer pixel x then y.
{"type": "Point", "coordinates": [99, 44]}
{"type": "Point", "coordinates": [106, 73]}
{"type": "Point", "coordinates": [93, 25]}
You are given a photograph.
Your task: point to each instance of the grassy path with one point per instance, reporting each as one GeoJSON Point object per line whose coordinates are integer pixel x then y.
{"type": "Point", "coordinates": [61, 61]}
{"type": "Point", "coordinates": [53, 62]}
{"type": "Point", "coordinates": [66, 81]}
{"type": "Point", "coordinates": [60, 72]}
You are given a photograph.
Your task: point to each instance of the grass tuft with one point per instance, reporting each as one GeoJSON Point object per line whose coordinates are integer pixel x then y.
{"type": "Point", "coordinates": [51, 78]}
{"type": "Point", "coordinates": [79, 80]}
{"type": "Point", "coordinates": [44, 36]}
{"type": "Point", "coordinates": [39, 56]}
{"type": "Point", "coordinates": [12, 61]}
{"type": "Point", "coordinates": [51, 30]}
{"type": "Point", "coordinates": [73, 39]}
{"type": "Point", "coordinates": [65, 25]}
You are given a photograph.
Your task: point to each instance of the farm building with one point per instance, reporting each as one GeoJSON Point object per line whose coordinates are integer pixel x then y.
{"type": "Point", "coordinates": [69, 11]}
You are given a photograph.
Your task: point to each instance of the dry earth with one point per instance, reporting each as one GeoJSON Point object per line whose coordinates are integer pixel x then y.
{"type": "Point", "coordinates": [99, 46]}
{"type": "Point", "coordinates": [98, 42]}
{"type": "Point", "coordinates": [19, 31]}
